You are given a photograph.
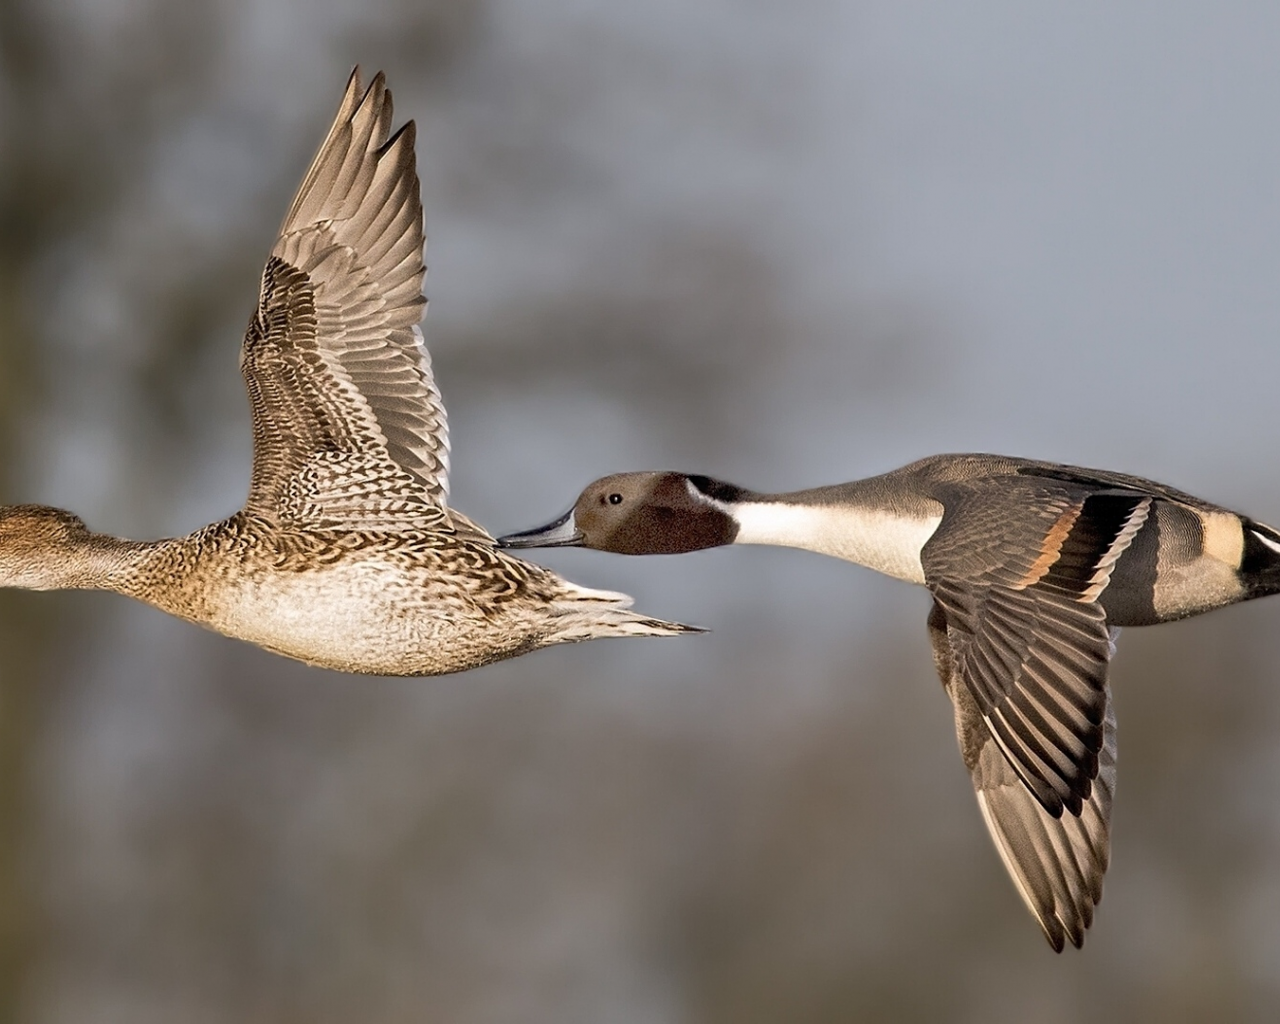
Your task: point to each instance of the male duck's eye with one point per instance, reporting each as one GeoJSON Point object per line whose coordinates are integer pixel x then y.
{"type": "Point", "coordinates": [615, 499]}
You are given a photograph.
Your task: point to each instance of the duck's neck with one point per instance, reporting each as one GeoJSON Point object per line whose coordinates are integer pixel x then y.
{"type": "Point", "coordinates": [95, 561]}
{"type": "Point", "coordinates": [844, 522]}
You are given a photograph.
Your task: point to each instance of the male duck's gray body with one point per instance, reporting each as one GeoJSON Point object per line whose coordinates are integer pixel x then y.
{"type": "Point", "coordinates": [1033, 567]}
{"type": "Point", "coordinates": [346, 554]}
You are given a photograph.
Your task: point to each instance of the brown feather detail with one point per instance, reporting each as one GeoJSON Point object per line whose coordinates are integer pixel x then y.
{"type": "Point", "coordinates": [349, 429]}
{"type": "Point", "coordinates": [1050, 548]}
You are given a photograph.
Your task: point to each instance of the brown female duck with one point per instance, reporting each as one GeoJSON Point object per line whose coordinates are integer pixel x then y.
{"type": "Point", "coordinates": [346, 554]}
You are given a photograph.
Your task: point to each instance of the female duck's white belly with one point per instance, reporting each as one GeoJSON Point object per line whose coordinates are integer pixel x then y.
{"type": "Point", "coordinates": [361, 616]}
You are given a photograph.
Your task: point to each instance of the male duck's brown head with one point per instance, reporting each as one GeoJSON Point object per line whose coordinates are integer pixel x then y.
{"type": "Point", "coordinates": [653, 513]}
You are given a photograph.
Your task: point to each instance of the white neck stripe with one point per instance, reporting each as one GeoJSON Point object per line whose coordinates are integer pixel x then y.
{"type": "Point", "coordinates": [887, 541]}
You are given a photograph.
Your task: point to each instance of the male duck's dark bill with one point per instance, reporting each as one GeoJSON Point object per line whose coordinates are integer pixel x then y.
{"type": "Point", "coordinates": [563, 533]}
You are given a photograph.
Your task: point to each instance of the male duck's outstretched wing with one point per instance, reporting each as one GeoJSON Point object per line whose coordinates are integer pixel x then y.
{"type": "Point", "coordinates": [1023, 647]}
{"type": "Point", "coordinates": [1029, 638]}
{"type": "Point", "coordinates": [1057, 863]}
{"type": "Point", "coordinates": [348, 428]}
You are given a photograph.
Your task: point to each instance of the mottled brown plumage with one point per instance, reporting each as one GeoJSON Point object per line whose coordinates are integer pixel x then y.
{"type": "Point", "coordinates": [346, 554]}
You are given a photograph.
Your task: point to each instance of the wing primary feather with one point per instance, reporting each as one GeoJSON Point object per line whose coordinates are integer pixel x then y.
{"type": "Point", "coordinates": [349, 428]}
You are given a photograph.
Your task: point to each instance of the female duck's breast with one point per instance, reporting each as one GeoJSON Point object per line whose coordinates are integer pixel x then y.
{"type": "Point", "coordinates": [364, 616]}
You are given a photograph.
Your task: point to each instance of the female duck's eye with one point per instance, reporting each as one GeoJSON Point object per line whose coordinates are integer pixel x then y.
{"type": "Point", "coordinates": [615, 499]}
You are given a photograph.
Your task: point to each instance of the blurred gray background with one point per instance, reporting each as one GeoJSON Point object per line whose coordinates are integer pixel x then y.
{"type": "Point", "coordinates": [785, 244]}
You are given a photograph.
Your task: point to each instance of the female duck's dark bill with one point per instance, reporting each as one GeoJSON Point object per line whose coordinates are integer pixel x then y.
{"type": "Point", "coordinates": [563, 533]}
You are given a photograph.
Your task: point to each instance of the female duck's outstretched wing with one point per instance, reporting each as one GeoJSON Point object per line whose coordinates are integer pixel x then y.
{"type": "Point", "coordinates": [348, 428]}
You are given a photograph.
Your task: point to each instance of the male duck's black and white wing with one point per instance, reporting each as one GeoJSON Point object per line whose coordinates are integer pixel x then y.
{"type": "Point", "coordinates": [1029, 639]}
{"type": "Point", "coordinates": [348, 427]}
{"type": "Point", "coordinates": [1023, 647]}
{"type": "Point", "coordinates": [1056, 863]}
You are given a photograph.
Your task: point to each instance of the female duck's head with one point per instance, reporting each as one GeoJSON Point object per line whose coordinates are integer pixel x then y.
{"type": "Point", "coordinates": [40, 547]}
{"type": "Point", "coordinates": [642, 514]}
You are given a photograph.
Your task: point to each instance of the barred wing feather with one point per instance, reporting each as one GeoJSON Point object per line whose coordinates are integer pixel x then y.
{"type": "Point", "coordinates": [349, 429]}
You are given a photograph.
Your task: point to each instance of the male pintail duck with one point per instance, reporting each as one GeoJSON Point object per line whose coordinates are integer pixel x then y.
{"type": "Point", "coordinates": [346, 554]}
{"type": "Point", "coordinates": [1033, 568]}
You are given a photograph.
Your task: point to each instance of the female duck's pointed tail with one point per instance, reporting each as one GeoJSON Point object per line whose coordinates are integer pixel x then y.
{"type": "Point", "coordinates": [587, 614]}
